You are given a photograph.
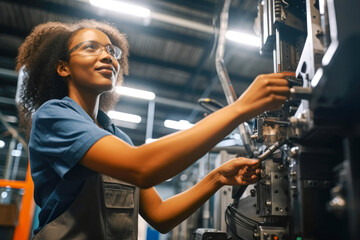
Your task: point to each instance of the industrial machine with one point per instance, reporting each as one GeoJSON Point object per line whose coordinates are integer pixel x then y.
{"type": "Point", "coordinates": [310, 149]}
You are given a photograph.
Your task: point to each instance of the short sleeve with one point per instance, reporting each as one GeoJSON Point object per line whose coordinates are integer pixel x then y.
{"type": "Point", "coordinates": [61, 135]}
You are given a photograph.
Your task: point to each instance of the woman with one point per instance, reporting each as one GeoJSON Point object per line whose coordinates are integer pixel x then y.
{"type": "Point", "coordinates": [84, 168]}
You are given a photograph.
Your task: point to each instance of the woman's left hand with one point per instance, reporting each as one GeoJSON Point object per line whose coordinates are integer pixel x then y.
{"type": "Point", "coordinates": [239, 171]}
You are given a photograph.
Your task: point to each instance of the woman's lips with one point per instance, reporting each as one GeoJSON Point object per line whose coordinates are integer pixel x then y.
{"type": "Point", "coordinates": [105, 71]}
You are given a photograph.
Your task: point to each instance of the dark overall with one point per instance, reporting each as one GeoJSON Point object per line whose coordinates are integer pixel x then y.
{"type": "Point", "coordinates": [106, 208]}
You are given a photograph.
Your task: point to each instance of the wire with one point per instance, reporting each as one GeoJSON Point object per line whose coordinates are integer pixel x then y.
{"type": "Point", "coordinates": [237, 215]}
{"type": "Point", "coordinates": [236, 235]}
{"type": "Point", "coordinates": [232, 215]}
{"type": "Point", "coordinates": [286, 3]}
{"type": "Point", "coordinates": [232, 206]}
{"type": "Point", "coordinates": [239, 222]}
{"type": "Point", "coordinates": [231, 229]}
{"type": "Point", "coordinates": [215, 18]}
{"type": "Point", "coordinates": [234, 220]}
{"type": "Point", "coordinates": [210, 104]}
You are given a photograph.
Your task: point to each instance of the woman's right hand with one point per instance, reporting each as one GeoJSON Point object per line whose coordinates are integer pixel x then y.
{"type": "Point", "coordinates": [267, 92]}
{"type": "Point", "coordinates": [238, 171]}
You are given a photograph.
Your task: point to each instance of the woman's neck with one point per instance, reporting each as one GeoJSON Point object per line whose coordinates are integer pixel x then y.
{"type": "Point", "coordinates": [88, 102]}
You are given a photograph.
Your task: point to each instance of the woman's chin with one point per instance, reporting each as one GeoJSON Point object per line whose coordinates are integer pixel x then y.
{"type": "Point", "coordinates": [107, 88]}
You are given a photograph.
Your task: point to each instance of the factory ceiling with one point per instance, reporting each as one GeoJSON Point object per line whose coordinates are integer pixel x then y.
{"type": "Point", "coordinates": [172, 53]}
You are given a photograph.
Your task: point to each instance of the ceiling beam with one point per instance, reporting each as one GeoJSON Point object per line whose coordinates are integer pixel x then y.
{"type": "Point", "coordinates": [89, 12]}
{"type": "Point", "coordinates": [155, 84]}
{"type": "Point", "coordinates": [199, 68]}
{"type": "Point", "coordinates": [166, 64]}
{"type": "Point", "coordinates": [199, 5]}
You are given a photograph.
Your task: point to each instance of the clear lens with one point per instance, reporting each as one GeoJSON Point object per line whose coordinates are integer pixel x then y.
{"type": "Point", "coordinates": [96, 48]}
{"type": "Point", "coordinates": [114, 51]}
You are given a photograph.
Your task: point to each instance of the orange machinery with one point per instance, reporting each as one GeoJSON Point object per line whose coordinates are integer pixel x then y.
{"type": "Point", "coordinates": [27, 206]}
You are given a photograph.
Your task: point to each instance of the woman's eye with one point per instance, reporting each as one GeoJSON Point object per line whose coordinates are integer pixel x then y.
{"type": "Point", "coordinates": [112, 51]}
{"type": "Point", "coordinates": [91, 46]}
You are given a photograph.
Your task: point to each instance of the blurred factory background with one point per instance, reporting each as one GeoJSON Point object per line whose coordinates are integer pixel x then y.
{"type": "Point", "coordinates": [171, 53]}
{"type": "Point", "coordinates": [309, 149]}
{"type": "Point", "coordinates": [172, 56]}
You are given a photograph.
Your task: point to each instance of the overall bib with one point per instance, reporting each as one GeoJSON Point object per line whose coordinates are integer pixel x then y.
{"type": "Point", "coordinates": [105, 209]}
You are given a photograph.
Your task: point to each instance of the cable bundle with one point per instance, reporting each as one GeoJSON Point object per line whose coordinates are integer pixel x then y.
{"type": "Point", "coordinates": [232, 215]}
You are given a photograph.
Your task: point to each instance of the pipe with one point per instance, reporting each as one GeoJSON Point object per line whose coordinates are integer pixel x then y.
{"type": "Point", "coordinates": [224, 76]}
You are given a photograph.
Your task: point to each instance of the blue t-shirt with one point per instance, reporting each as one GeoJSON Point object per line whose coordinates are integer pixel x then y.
{"type": "Point", "coordinates": [62, 132]}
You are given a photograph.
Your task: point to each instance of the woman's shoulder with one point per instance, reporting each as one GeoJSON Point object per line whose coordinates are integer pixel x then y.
{"type": "Point", "coordinates": [53, 103]}
{"type": "Point", "coordinates": [53, 107]}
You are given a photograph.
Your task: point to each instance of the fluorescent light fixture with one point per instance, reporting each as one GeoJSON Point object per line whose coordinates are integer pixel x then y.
{"type": "Point", "coordinates": [124, 116]}
{"type": "Point", "coordinates": [4, 194]}
{"type": "Point", "coordinates": [121, 7]}
{"type": "Point", "coordinates": [2, 144]}
{"type": "Point", "coordinates": [179, 125]}
{"type": "Point", "coordinates": [243, 38]}
{"type": "Point", "coordinates": [10, 119]}
{"type": "Point", "coordinates": [16, 153]}
{"type": "Point", "coordinates": [149, 140]}
{"type": "Point", "coordinates": [123, 124]}
{"type": "Point", "coordinates": [132, 92]}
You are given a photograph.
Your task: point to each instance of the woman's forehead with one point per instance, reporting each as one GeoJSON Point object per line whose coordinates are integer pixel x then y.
{"type": "Point", "coordinates": [87, 34]}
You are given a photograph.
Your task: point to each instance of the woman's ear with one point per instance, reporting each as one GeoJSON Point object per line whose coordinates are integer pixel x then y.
{"type": "Point", "coordinates": [62, 69]}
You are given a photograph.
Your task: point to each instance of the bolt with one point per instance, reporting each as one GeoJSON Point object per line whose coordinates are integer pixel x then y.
{"type": "Point", "coordinates": [252, 192]}
{"type": "Point", "coordinates": [294, 151]}
{"type": "Point", "coordinates": [293, 175]}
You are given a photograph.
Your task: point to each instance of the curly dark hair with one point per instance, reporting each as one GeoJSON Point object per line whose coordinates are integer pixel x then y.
{"type": "Point", "coordinates": [39, 55]}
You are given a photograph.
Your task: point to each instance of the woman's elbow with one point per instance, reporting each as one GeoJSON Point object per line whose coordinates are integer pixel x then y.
{"type": "Point", "coordinates": [162, 228]}
{"type": "Point", "coordinates": [164, 231]}
{"type": "Point", "coordinates": [145, 179]}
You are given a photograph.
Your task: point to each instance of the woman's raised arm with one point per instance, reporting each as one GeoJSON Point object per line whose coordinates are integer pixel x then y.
{"type": "Point", "coordinates": [150, 164]}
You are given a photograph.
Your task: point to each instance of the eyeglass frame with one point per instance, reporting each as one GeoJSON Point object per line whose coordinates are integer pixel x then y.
{"type": "Point", "coordinates": [77, 46]}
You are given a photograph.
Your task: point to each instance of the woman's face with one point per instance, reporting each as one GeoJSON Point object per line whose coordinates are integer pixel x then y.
{"type": "Point", "coordinates": [89, 70]}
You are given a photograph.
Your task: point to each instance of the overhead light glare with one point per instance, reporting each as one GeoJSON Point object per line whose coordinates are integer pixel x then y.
{"type": "Point", "coordinates": [132, 92]}
{"type": "Point", "coordinates": [243, 38]}
{"type": "Point", "coordinates": [150, 140]}
{"type": "Point", "coordinates": [2, 144]}
{"type": "Point", "coordinates": [178, 125]}
{"type": "Point", "coordinates": [16, 153]}
{"type": "Point", "coordinates": [4, 194]}
{"type": "Point", "coordinates": [122, 7]}
{"type": "Point", "coordinates": [124, 116]}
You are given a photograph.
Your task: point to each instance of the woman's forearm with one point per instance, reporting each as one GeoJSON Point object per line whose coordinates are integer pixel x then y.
{"type": "Point", "coordinates": [164, 215]}
{"type": "Point", "coordinates": [174, 153]}
{"type": "Point", "coordinates": [152, 163]}
{"type": "Point", "coordinates": [176, 209]}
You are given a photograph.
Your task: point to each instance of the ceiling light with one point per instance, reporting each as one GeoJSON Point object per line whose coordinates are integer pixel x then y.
{"type": "Point", "coordinates": [179, 125]}
{"type": "Point", "coordinates": [123, 124]}
{"type": "Point", "coordinates": [243, 38]}
{"type": "Point", "coordinates": [4, 194]}
{"type": "Point", "coordinates": [124, 116]}
{"type": "Point", "coordinates": [121, 7]}
{"type": "Point", "coordinates": [132, 92]}
{"type": "Point", "coordinates": [2, 144]}
{"type": "Point", "coordinates": [16, 153]}
{"type": "Point", "coordinates": [150, 140]}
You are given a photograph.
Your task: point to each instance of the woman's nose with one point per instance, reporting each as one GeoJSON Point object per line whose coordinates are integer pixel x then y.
{"type": "Point", "coordinates": [106, 57]}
